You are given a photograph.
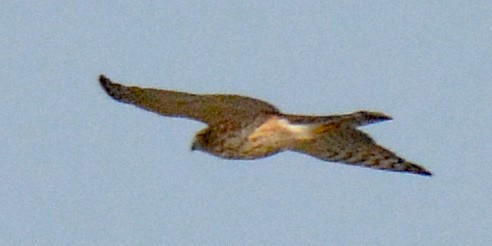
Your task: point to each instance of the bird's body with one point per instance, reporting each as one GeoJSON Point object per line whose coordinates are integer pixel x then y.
{"type": "Point", "coordinates": [247, 128]}
{"type": "Point", "coordinates": [263, 137]}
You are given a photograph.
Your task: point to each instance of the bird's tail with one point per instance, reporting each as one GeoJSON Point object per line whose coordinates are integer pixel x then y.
{"type": "Point", "coordinates": [362, 118]}
{"type": "Point", "coordinates": [356, 119]}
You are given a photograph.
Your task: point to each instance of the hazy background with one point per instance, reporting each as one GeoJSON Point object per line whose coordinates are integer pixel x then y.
{"type": "Point", "coordinates": [78, 168]}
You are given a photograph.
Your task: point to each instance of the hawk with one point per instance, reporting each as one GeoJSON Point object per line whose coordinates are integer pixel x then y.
{"type": "Point", "coordinates": [242, 127]}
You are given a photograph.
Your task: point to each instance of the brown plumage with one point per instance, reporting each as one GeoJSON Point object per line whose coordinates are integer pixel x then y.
{"type": "Point", "coordinates": [246, 128]}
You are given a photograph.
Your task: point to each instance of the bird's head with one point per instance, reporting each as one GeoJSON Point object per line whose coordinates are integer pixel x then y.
{"type": "Point", "coordinates": [201, 140]}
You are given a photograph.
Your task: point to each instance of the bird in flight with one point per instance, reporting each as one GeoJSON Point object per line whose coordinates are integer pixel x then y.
{"type": "Point", "coordinates": [242, 127]}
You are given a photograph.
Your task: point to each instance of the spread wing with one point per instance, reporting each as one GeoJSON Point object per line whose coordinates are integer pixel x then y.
{"type": "Point", "coordinates": [345, 144]}
{"type": "Point", "coordinates": [209, 109]}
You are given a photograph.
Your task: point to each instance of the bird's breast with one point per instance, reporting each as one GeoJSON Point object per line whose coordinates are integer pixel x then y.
{"type": "Point", "coordinates": [260, 139]}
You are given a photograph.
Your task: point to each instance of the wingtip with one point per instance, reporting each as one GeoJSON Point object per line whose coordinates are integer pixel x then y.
{"type": "Point", "coordinates": [107, 84]}
{"type": "Point", "coordinates": [417, 169]}
{"type": "Point", "coordinates": [104, 80]}
{"type": "Point", "coordinates": [111, 88]}
{"type": "Point", "coordinates": [425, 173]}
{"type": "Point", "coordinates": [386, 117]}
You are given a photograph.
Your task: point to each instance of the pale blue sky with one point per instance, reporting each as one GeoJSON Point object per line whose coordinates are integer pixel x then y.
{"type": "Point", "coordinates": [78, 168]}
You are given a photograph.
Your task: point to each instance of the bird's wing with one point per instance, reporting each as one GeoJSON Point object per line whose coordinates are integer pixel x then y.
{"type": "Point", "coordinates": [345, 144]}
{"type": "Point", "coordinates": [209, 109]}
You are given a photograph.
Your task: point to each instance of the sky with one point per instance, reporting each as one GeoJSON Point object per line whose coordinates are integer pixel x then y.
{"type": "Point", "coordinates": [78, 168]}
